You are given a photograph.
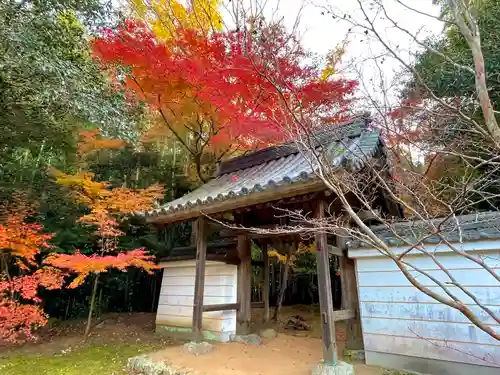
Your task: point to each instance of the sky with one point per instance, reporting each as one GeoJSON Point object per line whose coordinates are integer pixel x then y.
{"type": "Point", "coordinates": [320, 32]}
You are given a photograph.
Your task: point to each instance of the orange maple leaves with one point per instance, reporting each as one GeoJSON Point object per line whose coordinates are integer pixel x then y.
{"type": "Point", "coordinates": [91, 140]}
{"type": "Point", "coordinates": [107, 207]}
{"type": "Point", "coordinates": [107, 204]}
{"type": "Point", "coordinates": [23, 240]}
{"type": "Point", "coordinates": [83, 265]}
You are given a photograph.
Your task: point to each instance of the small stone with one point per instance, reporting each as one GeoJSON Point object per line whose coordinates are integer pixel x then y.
{"type": "Point", "coordinates": [339, 368]}
{"type": "Point", "coordinates": [100, 325]}
{"type": "Point", "coordinates": [268, 334]}
{"type": "Point", "coordinates": [145, 365]}
{"type": "Point", "coordinates": [358, 355]}
{"type": "Point", "coordinates": [198, 348]}
{"type": "Point", "coordinates": [251, 339]}
{"type": "Point", "coordinates": [297, 323]}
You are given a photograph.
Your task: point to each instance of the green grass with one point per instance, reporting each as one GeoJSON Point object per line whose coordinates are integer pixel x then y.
{"type": "Point", "coordinates": [91, 360]}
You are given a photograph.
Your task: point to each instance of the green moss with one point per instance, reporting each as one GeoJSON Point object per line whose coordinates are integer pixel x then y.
{"type": "Point", "coordinates": [396, 372]}
{"type": "Point", "coordinates": [91, 360]}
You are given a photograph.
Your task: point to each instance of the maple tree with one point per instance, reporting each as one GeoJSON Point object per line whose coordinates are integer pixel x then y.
{"type": "Point", "coordinates": [20, 243]}
{"type": "Point", "coordinates": [107, 207]}
{"type": "Point", "coordinates": [220, 93]}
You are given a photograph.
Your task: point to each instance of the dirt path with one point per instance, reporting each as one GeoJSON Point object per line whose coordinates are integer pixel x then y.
{"type": "Point", "coordinates": [284, 355]}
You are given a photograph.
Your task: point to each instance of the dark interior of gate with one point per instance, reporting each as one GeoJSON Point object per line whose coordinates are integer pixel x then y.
{"type": "Point", "coordinates": [247, 203]}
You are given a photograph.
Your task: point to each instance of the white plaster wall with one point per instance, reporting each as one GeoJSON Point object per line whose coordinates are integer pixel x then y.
{"type": "Point", "coordinates": [398, 319]}
{"type": "Point", "coordinates": [175, 306]}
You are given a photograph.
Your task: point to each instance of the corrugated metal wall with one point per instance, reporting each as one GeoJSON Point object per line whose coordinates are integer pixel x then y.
{"type": "Point", "coordinates": [398, 319]}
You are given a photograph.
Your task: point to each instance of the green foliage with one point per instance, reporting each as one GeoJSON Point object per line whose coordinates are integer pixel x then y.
{"type": "Point", "coordinates": [449, 81]}
{"type": "Point", "coordinates": [91, 360]}
{"type": "Point", "coordinates": [49, 84]}
{"type": "Point", "coordinates": [51, 89]}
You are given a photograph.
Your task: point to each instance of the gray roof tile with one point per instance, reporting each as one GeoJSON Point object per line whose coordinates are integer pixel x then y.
{"type": "Point", "coordinates": [471, 227]}
{"type": "Point", "coordinates": [275, 169]}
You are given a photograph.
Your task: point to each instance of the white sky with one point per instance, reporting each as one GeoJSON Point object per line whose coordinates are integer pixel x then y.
{"type": "Point", "coordinates": [322, 33]}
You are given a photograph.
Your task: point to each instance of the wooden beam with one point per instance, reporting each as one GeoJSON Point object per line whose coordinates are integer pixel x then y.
{"type": "Point", "coordinates": [199, 286]}
{"type": "Point", "coordinates": [343, 315]}
{"type": "Point", "coordinates": [244, 284]}
{"type": "Point", "coordinates": [265, 287]}
{"type": "Point", "coordinates": [257, 305]}
{"type": "Point", "coordinates": [214, 245]}
{"type": "Point", "coordinates": [221, 307]}
{"type": "Point", "coordinates": [231, 204]}
{"type": "Point", "coordinates": [334, 250]}
{"type": "Point", "coordinates": [325, 292]}
{"type": "Point", "coordinates": [228, 232]}
{"type": "Point", "coordinates": [214, 257]}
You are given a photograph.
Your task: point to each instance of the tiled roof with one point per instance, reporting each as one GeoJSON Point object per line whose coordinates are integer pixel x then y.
{"type": "Point", "coordinates": [345, 146]}
{"type": "Point", "coordinates": [472, 227]}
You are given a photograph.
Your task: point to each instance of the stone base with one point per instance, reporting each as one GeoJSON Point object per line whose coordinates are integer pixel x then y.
{"type": "Point", "coordinates": [355, 354]}
{"type": "Point", "coordinates": [268, 334]}
{"type": "Point", "coordinates": [187, 333]}
{"type": "Point", "coordinates": [198, 348]}
{"type": "Point", "coordinates": [340, 368]}
{"type": "Point", "coordinates": [251, 339]}
{"type": "Point", "coordinates": [143, 364]}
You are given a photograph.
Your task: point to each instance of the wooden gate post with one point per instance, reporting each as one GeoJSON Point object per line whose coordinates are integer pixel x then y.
{"type": "Point", "coordinates": [199, 284]}
{"type": "Point", "coordinates": [244, 284]}
{"type": "Point", "coordinates": [325, 292]}
{"type": "Point", "coordinates": [350, 298]}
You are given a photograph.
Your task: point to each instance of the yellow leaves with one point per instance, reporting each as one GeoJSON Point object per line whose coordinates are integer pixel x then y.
{"type": "Point", "coordinates": [333, 59]}
{"type": "Point", "coordinates": [125, 201]}
{"type": "Point", "coordinates": [327, 72]}
{"type": "Point", "coordinates": [166, 16]}
{"type": "Point", "coordinates": [84, 189]}
{"type": "Point", "coordinates": [310, 248]}
{"type": "Point", "coordinates": [106, 203]}
{"type": "Point", "coordinates": [99, 195]}
{"type": "Point", "coordinates": [273, 253]}
{"type": "Point", "coordinates": [70, 20]}
{"type": "Point", "coordinates": [302, 248]}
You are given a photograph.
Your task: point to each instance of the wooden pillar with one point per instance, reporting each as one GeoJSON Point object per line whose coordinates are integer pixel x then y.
{"type": "Point", "coordinates": [199, 286]}
{"type": "Point", "coordinates": [265, 290]}
{"type": "Point", "coordinates": [244, 284]}
{"type": "Point", "coordinates": [325, 292]}
{"type": "Point", "coordinates": [350, 299]}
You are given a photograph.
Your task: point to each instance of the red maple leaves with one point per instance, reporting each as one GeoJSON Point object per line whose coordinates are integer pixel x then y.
{"type": "Point", "coordinates": [251, 85]}
{"type": "Point", "coordinates": [20, 312]}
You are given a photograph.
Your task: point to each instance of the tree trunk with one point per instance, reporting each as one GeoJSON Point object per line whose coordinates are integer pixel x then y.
{"type": "Point", "coordinates": [92, 303]}
{"type": "Point", "coordinates": [66, 314]}
{"type": "Point", "coordinates": [284, 282]}
{"type": "Point", "coordinates": [265, 290]}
